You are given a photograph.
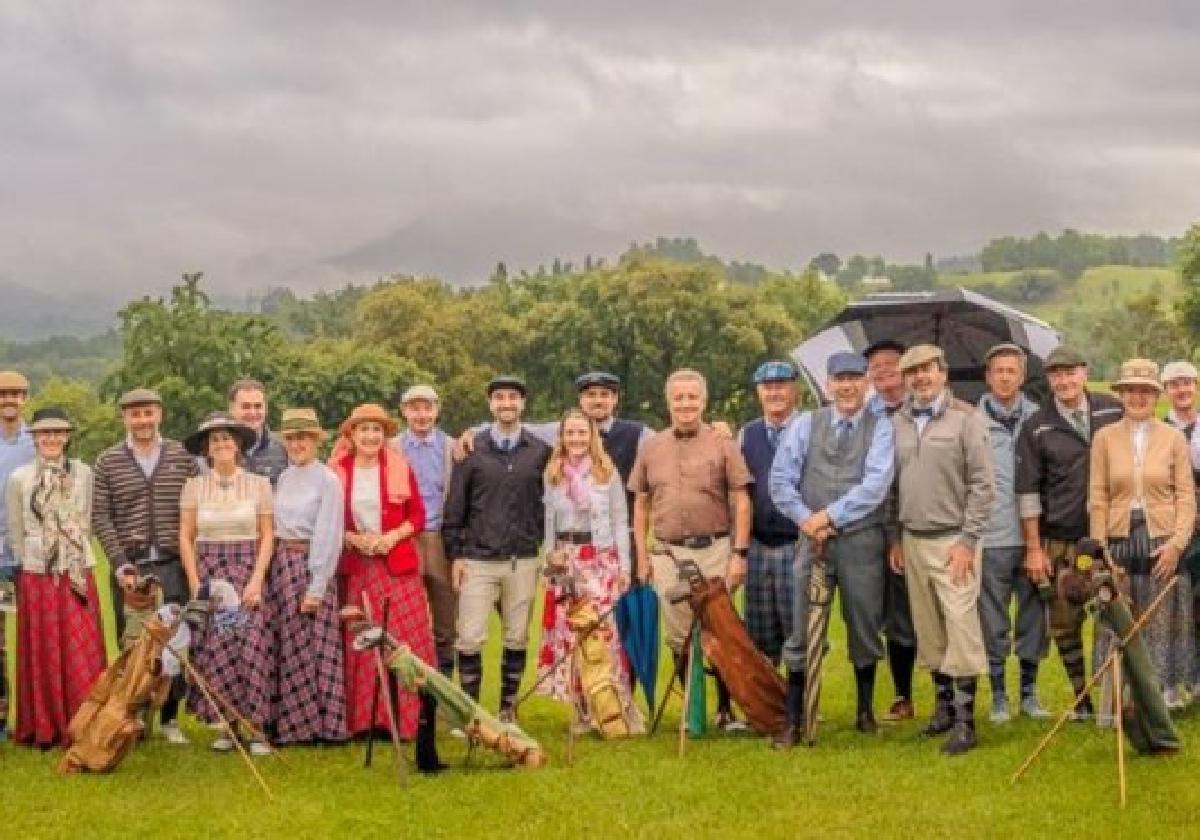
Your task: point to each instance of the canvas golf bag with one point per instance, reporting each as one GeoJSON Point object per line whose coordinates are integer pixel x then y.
{"type": "Point", "coordinates": [597, 669]}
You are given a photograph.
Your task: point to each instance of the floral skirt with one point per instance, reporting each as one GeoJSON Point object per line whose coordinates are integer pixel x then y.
{"type": "Point", "coordinates": [60, 653]}
{"type": "Point", "coordinates": [596, 573]}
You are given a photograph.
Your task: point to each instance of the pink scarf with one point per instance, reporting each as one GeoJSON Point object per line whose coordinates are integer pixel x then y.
{"type": "Point", "coordinates": [576, 477]}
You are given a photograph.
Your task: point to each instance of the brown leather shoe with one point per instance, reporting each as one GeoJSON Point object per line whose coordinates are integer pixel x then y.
{"type": "Point", "coordinates": [866, 723]}
{"type": "Point", "coordinates": [786, 738]}
{"type": "Point", "coordinates": [901, 709]}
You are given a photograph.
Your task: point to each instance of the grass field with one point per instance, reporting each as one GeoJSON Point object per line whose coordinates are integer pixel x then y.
{"type": "Point", "coordinates": [892, 785]}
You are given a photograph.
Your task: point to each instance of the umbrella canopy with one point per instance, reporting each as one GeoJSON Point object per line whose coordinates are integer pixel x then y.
{"type": "Point", "coordinates": [637, 623]}
{"type": "Point", "coordinates": [964, 324]}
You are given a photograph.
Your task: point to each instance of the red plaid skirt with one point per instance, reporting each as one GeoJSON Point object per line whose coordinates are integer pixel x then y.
{"type": "Point", "coordinates": [408, 621]}
{"type": "Point", "coordinates": [308, 698]}
{"type": "Point", "coordinates": [60, 653]}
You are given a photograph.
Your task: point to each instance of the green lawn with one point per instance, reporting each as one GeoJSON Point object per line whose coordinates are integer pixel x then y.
{"type": "Point", "coordinates": [848, 785]}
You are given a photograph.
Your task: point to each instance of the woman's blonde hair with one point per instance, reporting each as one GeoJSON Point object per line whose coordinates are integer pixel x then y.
{"type": "Point", "coordinates": [602, 465]}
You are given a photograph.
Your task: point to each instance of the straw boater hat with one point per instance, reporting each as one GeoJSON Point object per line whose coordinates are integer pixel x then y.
{"type": "Point", "coordinates": [197, 441]}
{"type": "Point", "coordinates": [301, 421]}
{"type": "Point", "coordinates": [369, 413]}
{"type": "Point", "coordinates": [11, 380]}
{"type": "Point", "coordinates": [51, 419]}
{"type": "Point", "coordinates": [1138, 372]}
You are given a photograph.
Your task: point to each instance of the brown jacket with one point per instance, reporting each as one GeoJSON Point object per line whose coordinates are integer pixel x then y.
{"type": "Point", "coordinates": [1165, 480]}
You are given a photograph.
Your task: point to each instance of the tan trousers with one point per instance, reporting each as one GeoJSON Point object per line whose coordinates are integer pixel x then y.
{"type": "Point", "coordinates": [713, 562]}
{"type": "Point", "coordinates": [945, 616]}
{"type": "Point", "coordinates": [439, 591]}
{"type": "Point", "coordinates": [511, 583]}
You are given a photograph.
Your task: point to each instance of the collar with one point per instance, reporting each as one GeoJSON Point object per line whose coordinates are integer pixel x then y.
{"type": "Point", "coordinates": [262, 441]}
{"type": "Point", "coordinates": [606, 427]}
{"type": "Point", "coordinates": [853, 419]}
{"type": "Point", "coordinates": [938, 405]}
{"type": "Point", "coordinates": [682, 435]}
{"type": "Point", "coordinates": [498, 438]}
{"type": "Point", "coordinates": [409, 438]}
{"type": "Point", "coordinates": [1085, 407]}
{"type": "Point", "coordinates": [158, 442]}
{"type": "Point", "coordinates": [786, 420]}
{"type": "Point", "coordinates": [1174, 419]}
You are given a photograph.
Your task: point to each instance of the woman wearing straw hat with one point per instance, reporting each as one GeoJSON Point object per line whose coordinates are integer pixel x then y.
{"type": "Point", "coordinates": [383, 513]}
{"type": "Point", "coordinates": [60, 650]}
{"type": "Point", "coordinates": [1142, 504]}
{"type": "Point", "coordinates": [225, 544]}
{"type": "Point", "coordinates": [309, 696]}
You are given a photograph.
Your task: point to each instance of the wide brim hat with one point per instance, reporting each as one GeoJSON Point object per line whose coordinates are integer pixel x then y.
{"type": "Point", "coordinates": [11, 380]}
{"type": "Point", "coordinates": [1138, 372]}
{"type": "Point", "coordinates": [301, 421]}
{"type": "Point", "coordinates": [197, 442]}
{"type": "Point", "coordinates": [369, 413]}
{"type": "Point", "coordinates": [51, 419]}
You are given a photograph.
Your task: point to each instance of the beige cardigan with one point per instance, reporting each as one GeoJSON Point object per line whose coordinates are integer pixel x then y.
{"type": "Point", "coordinates": [1165, 479]}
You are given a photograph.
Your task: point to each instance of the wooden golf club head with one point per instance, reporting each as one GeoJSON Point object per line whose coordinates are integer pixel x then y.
{"type": "Point", "coordinates": [370, 636]}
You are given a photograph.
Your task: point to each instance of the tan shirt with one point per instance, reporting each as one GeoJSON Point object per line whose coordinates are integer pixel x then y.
{"type": "Point", "coordinates": [1161, 478]}
{"type": "Point", "coordinates": [689, 481]}
{"type": "Point", "coordinates": [227, 510]}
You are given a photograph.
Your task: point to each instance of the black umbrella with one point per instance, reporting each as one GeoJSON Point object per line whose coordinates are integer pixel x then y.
{"type": "Point", "coordinates": [964, 324]}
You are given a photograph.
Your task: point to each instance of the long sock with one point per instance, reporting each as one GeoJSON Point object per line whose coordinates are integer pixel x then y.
{"type": "Point", "coordinates": [864, 683]}
{"type": "Point", "coordinates": [964, 700]}
{"type": "Point", "coordinates": [795, 697]}
{"type": "Point", "coordinates": [427, 754]}
{"type": "Point", "coordinates": [724, 701]}
{"type": "Point", "coordinates": [901, 659]}
{"type": "Point", "coordinates": [681, 668]}
{"type": "Point", "coordinates": [470, 673]}
{"type": "Point", "coordinates": [446, 665]}
{"type": "Point", "coordinates": [943, 689]}
{"type": "Point", "coordinates": [1070, 651]}
{"type": "Point", "coordinates": [1029, 670]}
{"type": "Point", "coordinates": [512, 669]}
{"type": "Point", "coordinates": [170, 709]}
{"type": "Point", "coordinates": [996, 680]}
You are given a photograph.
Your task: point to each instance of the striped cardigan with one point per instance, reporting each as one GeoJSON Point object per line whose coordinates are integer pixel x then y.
{"type": "Point", "coordinates": [131, 513]}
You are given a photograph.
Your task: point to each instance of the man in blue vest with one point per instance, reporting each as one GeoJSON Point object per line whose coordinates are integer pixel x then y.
{"type": "Point", "coordinates": [769, 572]}
{"type": "Point", "coordinates": [831, 476]}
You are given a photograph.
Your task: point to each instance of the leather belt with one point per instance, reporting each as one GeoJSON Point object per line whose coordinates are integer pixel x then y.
{"type": "Point", "coordinates": [298, 545]}
{"type": "Point", "coordinates": [574, 537]}
{"type": "Point", "coordinates": [697, 542]}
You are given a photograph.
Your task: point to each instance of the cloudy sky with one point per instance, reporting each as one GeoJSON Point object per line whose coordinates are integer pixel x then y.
{"type": "Point", "coordinates": [296, 141]}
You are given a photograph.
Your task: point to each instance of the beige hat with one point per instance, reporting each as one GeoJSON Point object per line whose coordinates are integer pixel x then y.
{"type": "Point", "coordinates": [301, 421]}
{"type": "Point", "coordinates": [10, 380]}
{"type": "Point", "coordinates": [1138, 372]}
{"type": "Point", "coordinates": [1178, 370]}
{"type": "Point", "coordinates": [139, 396]}
{"type": "Point", "coordinates": [919, 355]}
{"type": "Point", "coordinates": [419, 392]}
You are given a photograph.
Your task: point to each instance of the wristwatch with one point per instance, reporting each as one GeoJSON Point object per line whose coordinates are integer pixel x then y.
{"type": "Point", "coordinates": [741, 552]}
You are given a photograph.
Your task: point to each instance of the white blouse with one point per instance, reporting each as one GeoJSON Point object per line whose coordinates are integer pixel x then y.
{"type": "Point", "coordinates": [309, 506]}
{"type": "Point", "coordinates": [365, 504]}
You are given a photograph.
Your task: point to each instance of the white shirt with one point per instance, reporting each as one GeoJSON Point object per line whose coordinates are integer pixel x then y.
{"type": "Point", "coordinates": [365, 504]}
{"type": "Point", "coordinates": [309, 506]}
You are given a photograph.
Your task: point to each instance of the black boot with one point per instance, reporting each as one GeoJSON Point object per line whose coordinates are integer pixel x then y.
{"type": "Point", "coordinates": [681, 668]}
{"type": "Point", "coordinates": [470, 673]}
{"type": "Point", "coordinates": [943, 708]}
{"type": "Point", "coordinates": [446, 665]}
{"type": "Point", "coordinates": [512, 669]}
{"type": "Point", "coordinates": [427, 754]}
{"type": "Point", "coordinates": [962, 736]}
{"type": "Point", "coordinates": [864, 683]}
{"type": "Point", "coordinates": [792, 731]}
{"type": "Point", "coordinates": [726, 720]}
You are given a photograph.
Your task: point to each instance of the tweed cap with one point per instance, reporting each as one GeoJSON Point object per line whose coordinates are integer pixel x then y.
{"type": "Point", "coordinates": [919, 355]}
{"type": "Point", "coordinates": [598, 379]}
{"type": "Point", "coordinates": [1178, 370]}
{"type": "Point", "coordinates": [507, 383]}
{"type": "Point", "coordinates": [139, 396]}
{"type": "Point", "coordinates": [1138, 372]}
{"type": "Point", "coordinates": [419, 392]}
{"type": "Point", "coordinates": [846, 364]}
{"type": "Point", "coordinates": [11, 380]}
{"type": "Point", "coordinates": [1063, 356]}
{"type": "Point", "coordinates": [775, 370]}
{"type": "Point", "coordinates": [1004, 347]}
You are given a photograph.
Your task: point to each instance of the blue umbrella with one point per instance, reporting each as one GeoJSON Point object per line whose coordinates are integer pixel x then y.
{"type": "Point", "coordinates": [637, 622]}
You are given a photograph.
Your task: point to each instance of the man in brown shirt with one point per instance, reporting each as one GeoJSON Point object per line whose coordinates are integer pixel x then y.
{"type": "Point", "coordinates": [683, 479]}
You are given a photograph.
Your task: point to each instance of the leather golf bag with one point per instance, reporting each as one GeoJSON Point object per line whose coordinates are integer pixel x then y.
{"type": "Point", "coordinates": [108, 723]}
{"type": "Point", "coordinates": [753, 681]}
{"type": "Point", "coordinates": [597, 669]}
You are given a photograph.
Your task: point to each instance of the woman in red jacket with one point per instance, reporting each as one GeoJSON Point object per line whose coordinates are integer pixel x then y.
{"type": "Point", "coordinates": [379, 563]}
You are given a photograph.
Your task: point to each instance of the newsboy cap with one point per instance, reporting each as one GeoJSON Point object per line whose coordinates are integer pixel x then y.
{"type": "Point", "coordinates": [597, 379]}
{"type": "Point", "coordinates": [1178, 370]}
{"type": "Point", "coordinates": [508, 383]}
{"type": "Point", "coordinates": [1004, 347]}
{"type": "Point", "coordinates": [139, 396]}
{"type": "Point", "coordinates": [775, 370]}
{"type": "Point", "coordinates": [919, 355]}
{"type": "Point", "coordinates": [419, 392]}
{"type": "Point", "coordinates": [1063, 356]}
{"type": "Point", "coordinates": [846, 364]}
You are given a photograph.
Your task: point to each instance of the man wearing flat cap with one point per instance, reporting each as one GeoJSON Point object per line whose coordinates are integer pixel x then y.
{"type": "Point", "coordinates": [137, 485]}
{"type": "Point", "coordinates": [16, 450]}
{"type": "Point", "coordinates": [830, 477]}
{"type": "Point", "coordinates": [938, 512]}
{"type": "Point", "coordinates": [492, 523]}
{"type": "Point", "coordinates": [1053, 467]}
{"type": "Point", "coordinates": [768, 603]}
{"type": "Point", "coordinates": [1005, 410]}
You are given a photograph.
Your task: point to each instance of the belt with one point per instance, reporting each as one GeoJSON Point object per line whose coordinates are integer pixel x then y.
{"type": "Point", "coordinates": [574, 537]}
{"type": "Point", "coordinates": [697, 542]}
{"type": "Point", "coordinates": [933, 533]}
{"type": "Point", "coordinates": [301, 545]}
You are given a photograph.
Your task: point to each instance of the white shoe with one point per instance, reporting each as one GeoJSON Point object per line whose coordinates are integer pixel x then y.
{"type": "Point", "coordinates": [457, 733]}
{"type": "Point", "coordinates": [173, 734]}
{"type": "Point", "coordinates": [259, 748]}
{"type": "Point", "coordinates": [223, 744]}
{"type": "Point", "coordinates": [1000, 712]}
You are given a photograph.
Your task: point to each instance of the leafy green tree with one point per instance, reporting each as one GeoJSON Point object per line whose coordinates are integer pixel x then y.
{"type": "Point", "coordinates": [1187, 256]}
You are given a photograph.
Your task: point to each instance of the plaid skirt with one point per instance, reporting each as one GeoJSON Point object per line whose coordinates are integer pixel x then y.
{"type": "Point", "coordinates": [308, 696]}
{"type": "Point", "coordinates": [1169, 632]}
{"type": "Point", "coordinates": [60, 653]}
{"type": "Point", "coordinates": [235, 660]}
{"type": "Point", "coordinates": [408, 622]}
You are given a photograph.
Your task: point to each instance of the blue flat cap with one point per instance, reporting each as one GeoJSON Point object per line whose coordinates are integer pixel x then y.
{"type": "Point", "coordinates": [597, 379]}
{"type": "Point", "coordinates": [843, 364]}
{"type": "Point", "coordinates": [775, 371]}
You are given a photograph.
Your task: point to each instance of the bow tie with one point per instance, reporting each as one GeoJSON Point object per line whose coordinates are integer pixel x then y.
{"type": "Point", "coordinates": [922, 412]}
{"type": "Point", "coordinates": [682, 435]}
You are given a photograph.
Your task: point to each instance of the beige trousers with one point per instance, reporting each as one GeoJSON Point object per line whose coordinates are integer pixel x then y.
{"type": "Point", "coordinates": [945, 616]}
{"type": "Point", "coordinates": [677, 618]}
{"type": "Point", "coordinates": [512, 584]}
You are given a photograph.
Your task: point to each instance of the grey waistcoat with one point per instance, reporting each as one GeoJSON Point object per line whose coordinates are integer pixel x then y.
{"type": "Point", "coordinates": [829, 472]}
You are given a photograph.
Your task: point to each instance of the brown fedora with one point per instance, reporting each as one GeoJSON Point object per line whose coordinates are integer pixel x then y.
{"type": "Point", "coordinates": [369, 413]}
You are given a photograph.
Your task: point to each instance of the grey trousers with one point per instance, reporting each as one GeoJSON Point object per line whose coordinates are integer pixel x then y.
{"type": "Point", "coordinates": [1003, 579]}
{"type": "Point", "coordinates": [855, 565]}
{"type": "Point", "coordinates": [897, 616]}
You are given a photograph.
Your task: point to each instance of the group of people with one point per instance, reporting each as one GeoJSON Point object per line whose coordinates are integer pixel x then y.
{"type": "Point", "coordinates": [932, 516]}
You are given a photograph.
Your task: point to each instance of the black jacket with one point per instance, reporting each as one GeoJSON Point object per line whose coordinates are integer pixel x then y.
{"type": "Point", "coordinates": [494, 510]}
{"type": "Point", "coordinates": [1053, 463]}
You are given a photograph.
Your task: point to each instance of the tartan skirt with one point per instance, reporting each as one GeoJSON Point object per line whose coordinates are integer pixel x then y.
{"type": "Point", "coordinates": [308, 696]}
{"type": "Point", "coordinates": [235, 660]}
{"type": "Point", "coordinates": [60, 653]}
{"type": "Point", "coordinates": [408, 622]}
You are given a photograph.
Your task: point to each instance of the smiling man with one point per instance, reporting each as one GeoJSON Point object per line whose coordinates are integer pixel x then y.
{"type": "Point", "coordinates": [267, 456]}
{"type": "Point", "coordinates": [943, 497]}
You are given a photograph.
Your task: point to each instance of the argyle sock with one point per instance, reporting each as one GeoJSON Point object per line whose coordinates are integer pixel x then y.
{"type": "Point", "coordinates": [864, 683]}
{"type": "Point", "coordinates": [470, 674]}
{"type": "Point", "coordinates": [943, 689]}
{"type": "Point", "coordinates": [1070, 651]}
{"type": "Point", "coordinates": [512, 669]}
{"type": "Point", "coordinates": [901, 659]}
{"type": "Point", "coordinates": [996, 680]}
{"type": "Point", "coordinates": [724, 701]}
{"type": "Point", "coordinates": [1029, 671]}
{"type": "Point", "coordinates": [964, 700]}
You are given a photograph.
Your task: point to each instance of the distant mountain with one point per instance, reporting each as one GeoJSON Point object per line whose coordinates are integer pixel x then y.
{"type": "Point", "coordinates": [27, 314]}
